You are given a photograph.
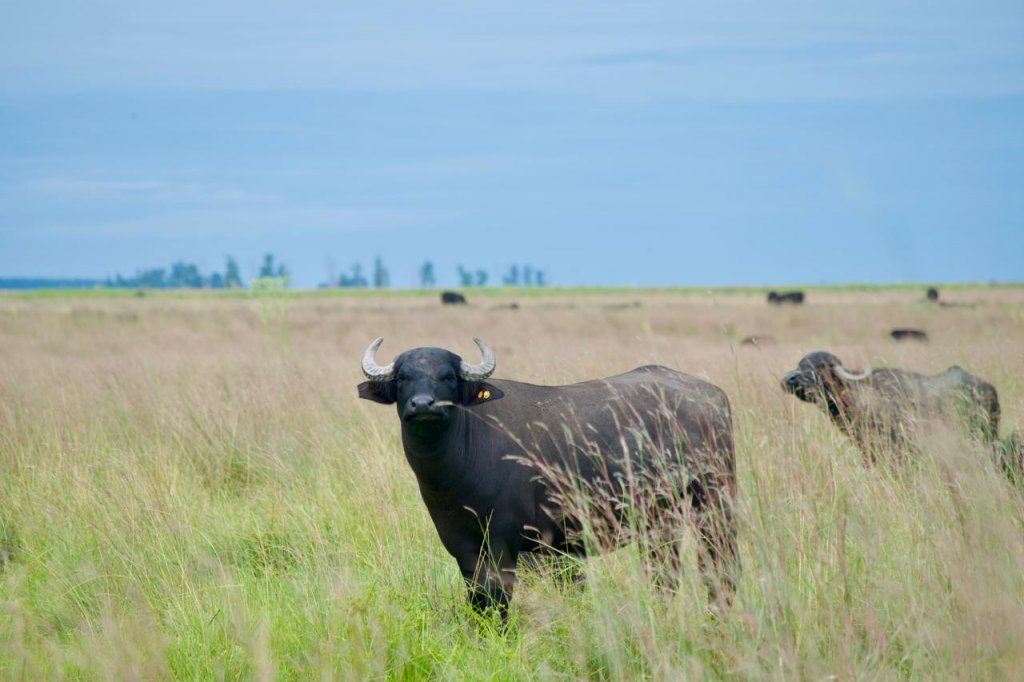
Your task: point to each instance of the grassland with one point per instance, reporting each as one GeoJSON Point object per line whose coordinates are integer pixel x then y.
{"type": "Point", "coordinates": [189, 488]}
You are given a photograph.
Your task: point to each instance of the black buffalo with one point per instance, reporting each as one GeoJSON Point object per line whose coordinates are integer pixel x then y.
{"type": "Point", "coordinates": [452, 297]}
{"type": "Point", "coordinates": [932, 294]}
{"type": "Point", "coordinates": [909, 335]}
{"type": "Point", "coordinates": [794, 297]}
{"type": "Point", "coordinates": [501, 464]}
{"type": "Point", "coordinates": [883, 407]}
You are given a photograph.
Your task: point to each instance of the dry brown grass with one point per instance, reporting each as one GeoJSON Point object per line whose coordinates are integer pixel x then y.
{"type": "Point", "coordinates": [190, 488]}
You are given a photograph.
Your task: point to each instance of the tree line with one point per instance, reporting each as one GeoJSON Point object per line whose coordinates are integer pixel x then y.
{"type": "Point", "coordinates": [379, 277]}
{"type": "Point", "coordinates": [185, 275]}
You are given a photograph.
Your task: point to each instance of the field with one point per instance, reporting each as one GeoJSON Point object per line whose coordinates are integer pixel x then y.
{"type": "Point", "coordinates": [189, 488]}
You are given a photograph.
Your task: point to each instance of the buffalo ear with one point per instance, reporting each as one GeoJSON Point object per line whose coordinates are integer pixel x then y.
{"type": "Point", "coordinates": [382, 392]}
{"type": "Point", "coordinates": [476, 392]}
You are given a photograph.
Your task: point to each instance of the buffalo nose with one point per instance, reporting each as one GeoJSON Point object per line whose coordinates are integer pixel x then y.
{"type": "Point", "coordinates": [789, 382]}
{"type": "Point", "coordinates": [421, 402]}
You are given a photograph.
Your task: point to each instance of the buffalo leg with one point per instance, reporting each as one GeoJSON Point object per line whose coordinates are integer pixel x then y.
{"type": "Point", "coordinates": [490, 577]}
{"type": "Point", "coordinates": [567, 570]}
{"type": "Point", "coordinates": [716, 526]}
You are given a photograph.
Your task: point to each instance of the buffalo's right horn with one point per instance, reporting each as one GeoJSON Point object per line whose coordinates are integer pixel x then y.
{"type": "Point", "coordinates": [850, 376]}
{"type": "Point", "coordinates": [484, 369]}
{"type": "Point", "coordinates": [371, 369]}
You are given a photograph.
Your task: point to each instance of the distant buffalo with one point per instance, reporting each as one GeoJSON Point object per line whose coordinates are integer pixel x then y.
{"type": "Point", "coordinates": [793, 297]}
{"type": "Point", "coordinates": [452, 298]}
{"type": "Point", "coordinates": [932, 294]}
{"type": "Point", "coordinates": [908, 335]}
{"type": "Point", "coordinates": [883, 407]}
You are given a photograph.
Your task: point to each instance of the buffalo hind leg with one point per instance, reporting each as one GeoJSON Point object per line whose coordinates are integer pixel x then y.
{"type": "Point", "coordinates": [710, 513]}
{"type": "Point", "coordinates": [718, 555]}
{"type": "Point", "coordinates": [564, 569]}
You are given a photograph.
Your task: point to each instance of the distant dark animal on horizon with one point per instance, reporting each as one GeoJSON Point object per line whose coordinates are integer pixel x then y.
{"type": "Point", "coordinates": [883, 408]}
{"type": "Point", "coordinates": [932, 294]}
{"type": "Point", "coordinates": [452, 298]}
{"type": "Point", "coordinates": [501, 464]}
{"type": "Point", "coordinates": [908, 335]}
{"type": "Point", "coordinates": [793, 297]}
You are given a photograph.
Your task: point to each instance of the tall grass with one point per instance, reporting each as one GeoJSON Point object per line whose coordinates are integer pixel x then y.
{"type": "Point", "coordinates": [189, 488]}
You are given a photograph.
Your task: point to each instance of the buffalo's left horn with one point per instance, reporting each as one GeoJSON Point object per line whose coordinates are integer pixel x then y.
{"type": "Point", "coordinates": [843, 374]}
{"type": "Point", "coordinates": [371, 369]}
{"type": "Point", "coordinates": [484, 369]}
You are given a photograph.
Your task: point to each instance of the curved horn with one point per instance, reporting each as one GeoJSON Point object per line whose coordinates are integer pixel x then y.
{"type": "Point", "coordinates": [371, 369]}
{"type": "Point", "coordinates": [850, 376]}
{"type": "Point", "coordinates": [484, 369]}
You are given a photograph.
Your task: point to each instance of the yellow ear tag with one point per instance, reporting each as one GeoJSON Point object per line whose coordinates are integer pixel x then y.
{"type": "Point", "coordinates": [487, 394]}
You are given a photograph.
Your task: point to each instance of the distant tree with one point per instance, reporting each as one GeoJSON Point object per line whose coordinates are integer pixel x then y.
{"type": "Point", "coordinates": [267, 269]}
{"type": "Point", "coordinates": [539, 278]}
{"type": "Point", "coordinates": [465, 276]}
{"type": "Point", "coordinates": [380, 274]}
{"type": "Point", "coordinates": [153, 279]}
{"type": "Point", "coordinates": [232, 277]}
{"type": "Point", "coordinates": [184, 275]}
{"type": "Point", "coordinates": [216, 281]}
{"type": "Point", "coordinates": [427, 278]}
{"type": "Point", "coordinates": [481, 278]}
{"type": "Point", "coordinates": [511, 278]}
{"type": "Point", "coordinates": [355, 279]}
{"type": "Point", "coordinates": [274, 271]}
{"type": "Point", "coordinates": [527, 275]}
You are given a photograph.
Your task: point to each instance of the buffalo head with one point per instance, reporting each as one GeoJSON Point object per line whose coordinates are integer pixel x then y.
{"type": "Point", "coordinates": [819, 376]}
{"type": "Point", "coordinates": [427, 384]}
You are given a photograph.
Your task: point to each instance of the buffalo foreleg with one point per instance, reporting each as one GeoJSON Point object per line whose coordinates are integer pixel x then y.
{"type": "Point", "coordinates": [490, 578]}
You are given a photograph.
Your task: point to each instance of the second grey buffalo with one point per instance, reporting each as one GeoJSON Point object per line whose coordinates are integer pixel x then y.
{"type": "Point", "coordinates": [882, 407]}
{"type": "Point", "coordinates": [507, 468]}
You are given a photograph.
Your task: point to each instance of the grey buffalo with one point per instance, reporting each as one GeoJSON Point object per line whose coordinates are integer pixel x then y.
{"type": "Point", "coordinates": [510, 470]}
{"type": "Point", "coordinates": [882, 407]}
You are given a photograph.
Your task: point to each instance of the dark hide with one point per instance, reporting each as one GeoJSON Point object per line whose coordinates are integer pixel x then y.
{"type": "Point", "coordinates": [500, 465]}
{"type": "Point", "coordinates": [794, 297]}
{"type": "Point", "coordinates": [908, 335]}
{"type": "Point", "coordinates": [884, 408]}
{"type": "Point", "coordinates": [452, 298]}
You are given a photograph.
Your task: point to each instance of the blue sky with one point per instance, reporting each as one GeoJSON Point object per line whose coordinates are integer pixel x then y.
{"type": "Point", "coordinates": [649, 143]}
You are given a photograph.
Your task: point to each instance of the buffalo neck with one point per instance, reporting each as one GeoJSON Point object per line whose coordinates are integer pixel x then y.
{"type": "Point", "coordinates": [837, 405]}
{"type": "Point", "coordinates": [435, 450]}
